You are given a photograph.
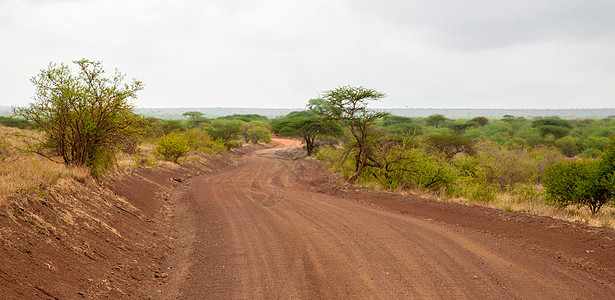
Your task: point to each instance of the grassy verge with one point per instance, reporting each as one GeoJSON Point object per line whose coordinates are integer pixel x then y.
{"type": "Point", "coordinates": [536, 205]}
{"type": "Point", "coordinates": [25, 173]}
{"type": "Point", "coordinates": [524, 197]}
{"type": "Point", "coordinates": [28, 173]}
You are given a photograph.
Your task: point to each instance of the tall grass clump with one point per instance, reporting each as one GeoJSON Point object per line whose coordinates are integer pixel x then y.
{"type": "Point", "coordinates": [23, 172]}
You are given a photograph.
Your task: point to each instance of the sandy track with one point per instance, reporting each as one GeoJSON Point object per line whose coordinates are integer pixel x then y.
{"type": "Point", "coordinates": [257, 231]}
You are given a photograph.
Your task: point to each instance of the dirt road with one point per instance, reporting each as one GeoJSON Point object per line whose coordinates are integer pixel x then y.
{"type": "Point", "coordinates": [260, 231]}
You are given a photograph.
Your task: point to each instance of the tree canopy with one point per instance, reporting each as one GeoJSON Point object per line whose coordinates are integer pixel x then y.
{"type": "Point", "coordinates": [86, 117]}
{"type": "Point", "coordinates": [307, 125]}
{"type": "Point", "coordinates": [348, 105]}
{"type": "Point", "coordinates": [435, 120]}
{"type": "Point", "coordinates": [193, 114]}
{"type": "Point", "coordinates": [589, 183]}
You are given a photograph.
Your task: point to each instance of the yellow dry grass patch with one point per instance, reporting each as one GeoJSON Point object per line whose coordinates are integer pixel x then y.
{"type": "Point", "coordinates": [604, 218]}
{"type": "Point", "coordinates": [24, 172]}
{"type": "Point", "coordinates": [30, 173]}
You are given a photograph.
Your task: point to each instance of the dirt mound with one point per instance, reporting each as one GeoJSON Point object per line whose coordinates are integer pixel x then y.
{"type": "Point", "coordinates": [80, 238]}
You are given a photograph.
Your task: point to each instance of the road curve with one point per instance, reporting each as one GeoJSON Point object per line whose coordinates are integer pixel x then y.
{"type": "Point", "coordinates": [257, 232]}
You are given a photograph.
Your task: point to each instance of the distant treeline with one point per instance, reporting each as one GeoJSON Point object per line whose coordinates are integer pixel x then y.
{"type": "Point", "coordinates": [457, 113]}
{"type": "Point", "coordinates": [16, 122]}
{"type": "Point", "coordinates": [464, 113]}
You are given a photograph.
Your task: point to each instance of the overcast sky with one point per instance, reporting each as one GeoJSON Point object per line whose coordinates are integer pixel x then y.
{"type": "Point", "coordinates": [281, 53]}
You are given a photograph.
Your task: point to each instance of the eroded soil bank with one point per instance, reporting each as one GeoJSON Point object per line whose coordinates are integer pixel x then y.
{"type": "Point", "coordinates": [83, 239]}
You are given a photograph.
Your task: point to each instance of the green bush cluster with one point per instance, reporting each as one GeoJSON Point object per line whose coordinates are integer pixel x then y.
{"type": "Point", "coordinates": [480, 158]}
{"type": "Point", "coordinates": [586, 138]}
{"type": "Point", "coordinates": [209, 135]}
{"type": "Point", "coordinates": [256, 132]}
{"type": "Point", "coordinates": [17, 122]}
{"type": "Point", "coordinates": [527, 193]}
{"type": "Point", "coordinates": [172, 146]}
{"type": "Point", "coordinates": [584, 182]}
{"type": "Point", "coordinates": [407, 166]}
{"type": "Point", "coordinates": [177, 144]}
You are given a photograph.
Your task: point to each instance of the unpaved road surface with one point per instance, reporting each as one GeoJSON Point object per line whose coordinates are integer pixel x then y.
{"type": "Point", "coordinates": [262, 230]}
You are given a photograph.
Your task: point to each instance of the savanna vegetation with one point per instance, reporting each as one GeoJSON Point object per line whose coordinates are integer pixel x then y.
{"type": "Point", "coordinates": [84, 122]}
{"type": "Point", "coordinates": [554, 166]}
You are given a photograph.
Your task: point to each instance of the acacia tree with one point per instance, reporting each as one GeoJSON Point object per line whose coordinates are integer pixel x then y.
{"type": "Point", "coordinates": [306, 125]}
{"type": "Point", "coordinates": [435, 120]}
{"type": "Point", "coordinates": [194, 115]}
{"type": "Point", "coordinates": [348, 105]}
{"type": "Point", "coordinates": [86, 117]}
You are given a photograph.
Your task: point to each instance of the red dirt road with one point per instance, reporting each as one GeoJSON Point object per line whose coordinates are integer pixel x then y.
{"type": "Point", "coordinates": [262, 231]}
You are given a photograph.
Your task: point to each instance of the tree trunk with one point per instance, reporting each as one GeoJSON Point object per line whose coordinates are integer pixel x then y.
{"type": "Point", "coordinates": [309, 145]}
{"type": "Point", "coordinates": [359, 168]}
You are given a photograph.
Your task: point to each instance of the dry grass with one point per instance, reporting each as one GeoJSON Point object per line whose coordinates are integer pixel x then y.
{"type": "Point", "coordinates": [24, 172]}
{"type": "Point", "coordinates": [505, 201]}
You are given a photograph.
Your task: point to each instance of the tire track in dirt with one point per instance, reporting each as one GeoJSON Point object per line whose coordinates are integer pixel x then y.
{"type": "Point", "coordinates": [256, 232]}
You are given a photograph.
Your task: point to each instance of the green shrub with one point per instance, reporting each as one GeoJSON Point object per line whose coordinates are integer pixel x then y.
{"type": "Point", "coordinates": [503, 167]}
{"type": "Point", "coordinates": [542, 157]}
{"type": "Point", "coordinates": [338, 158]}
{"type": "Point", "coordinates": [449, 144]}
{"type": "Point", "coordinates": [16, 122]}
{"type": "Point", "coordinates": [200, 141]}
{"type": "Point", "coordinates": [567, 145]}
{"type": "Point", "coordinates": [551, 122]}
{"type": "Point", "coordinates": [225, 131]}
{"type": "Point", "coordinates": [408, 167]}
{"type": "Point", "coordinates": [101, 162]}
{"type": "Point", "coordinates": [527, 193]}
{"type": "Point", "coordinates": [476, 189]}
{"type": "Point", "coordinates": [556, 131]}
{"type": "Point", "coordinates": [591, 153]}
{"type": "Point", "coordinates": [258, 134]}
{"type": "Point", "coordinates": [169, 126]}
{"type": "Point", "coordinates": [172, 146]}
{"type": "Point", "coordinates": [475, 134]}
{"type": "Point", "coordinates": [596, 142]}
{"type": "Point", "coordinates": [581, 183]}
{"type": "Point", "coordinates": [516, 143]}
